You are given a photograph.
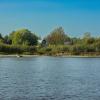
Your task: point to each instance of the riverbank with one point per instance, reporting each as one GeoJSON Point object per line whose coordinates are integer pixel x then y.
{"type": "Point", "coordinates": [18, 56]}
{"type": "Point", "coordinates": [63, 56]}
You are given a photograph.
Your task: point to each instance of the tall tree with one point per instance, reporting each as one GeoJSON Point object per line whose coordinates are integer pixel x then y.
{"type": "Point", "coordinates": [57, 36]}
{"type": "Point", "coordinates": [87, 39]}
{"type": "Point", "coordinates": [1, 37]}
{"type": "Point", "coordinates": [24, 37]}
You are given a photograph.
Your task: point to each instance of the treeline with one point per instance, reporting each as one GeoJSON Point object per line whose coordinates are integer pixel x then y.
{"type": "Point", "coordinates": [56, 43]}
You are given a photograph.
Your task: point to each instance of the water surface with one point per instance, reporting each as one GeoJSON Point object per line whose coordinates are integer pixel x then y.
{"type": "Point", "coordinates": [49, 78]}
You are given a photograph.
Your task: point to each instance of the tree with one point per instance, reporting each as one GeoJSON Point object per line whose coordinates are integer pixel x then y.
{"type": "Point", "coordinates": [24, 37]}
{"type": "Point", "coordinates": [57, 36]}
{"type": "Point", "coordinates": [7, 40]}
{"type": "Point", "coordinates": [1, 36]}
{"type": "Point", "coordinates": [44, 43]}
{"type": "Point", "coordinates": [87, 35]}
{"type": "Point", "coordinates": [87, 39]}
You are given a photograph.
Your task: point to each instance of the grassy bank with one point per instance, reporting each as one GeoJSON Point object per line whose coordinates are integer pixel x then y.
{"type": "Point", "coordinates": [51, 50]}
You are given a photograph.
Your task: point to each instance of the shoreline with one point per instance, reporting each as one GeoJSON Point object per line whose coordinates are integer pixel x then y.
{"type": "Point", "coordinates": [63, 56]}
{"type": "Point", "coordinates": [18, 56]}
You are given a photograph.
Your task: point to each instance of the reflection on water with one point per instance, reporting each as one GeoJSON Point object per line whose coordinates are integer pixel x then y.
{"type": "Point", "coordinates": [49, 78]}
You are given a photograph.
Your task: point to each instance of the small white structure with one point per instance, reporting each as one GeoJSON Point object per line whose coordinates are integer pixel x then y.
{"type": "Point", "coordinates": [40, 41]}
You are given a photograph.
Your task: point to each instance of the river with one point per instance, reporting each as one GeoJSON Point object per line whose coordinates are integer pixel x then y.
{"type": "Point", "coordinates": [49, 78]}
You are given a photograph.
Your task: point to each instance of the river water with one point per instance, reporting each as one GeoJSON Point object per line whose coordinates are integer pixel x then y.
{"type": "Point", "coordinates": [49, 78]}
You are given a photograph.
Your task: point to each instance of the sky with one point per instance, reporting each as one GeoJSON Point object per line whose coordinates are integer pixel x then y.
{"type": "Point", "coordinates": [42, 16]}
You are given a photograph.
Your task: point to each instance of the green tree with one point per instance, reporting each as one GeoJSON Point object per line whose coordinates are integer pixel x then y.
{"type": "Point", "coordinates": [1, 38]}
{"type": "Point", "coordinates": [24, 37]}
{"type": "Point", "coordinates": [57, 36]}
{"type": "Point", "coordinates": [7, 40]}
{"type": "Point", "coordinates": [87, 39]}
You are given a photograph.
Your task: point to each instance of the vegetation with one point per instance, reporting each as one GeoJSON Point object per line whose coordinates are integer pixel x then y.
{"type": "Point", "coordinates": [56, 43]}
{"type": "Point", "coordinates": [57, 37]}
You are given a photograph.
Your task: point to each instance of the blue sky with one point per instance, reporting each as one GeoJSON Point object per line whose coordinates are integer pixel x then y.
{"type": "Point", "coordinates": [42, 16]}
